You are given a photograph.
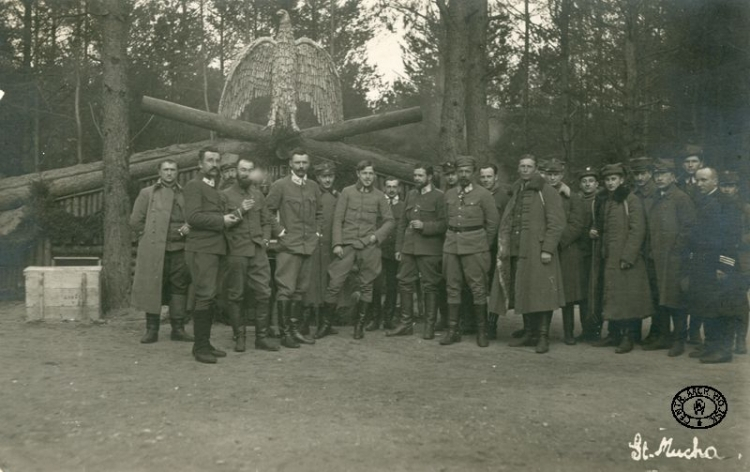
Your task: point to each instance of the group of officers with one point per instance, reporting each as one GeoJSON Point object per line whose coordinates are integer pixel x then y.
{"type": "Point", "coordinates": [650, 242]}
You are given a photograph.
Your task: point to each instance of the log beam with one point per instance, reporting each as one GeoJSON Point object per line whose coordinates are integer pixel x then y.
{"type": "Point", "coordinates": [367, 124]}
{"type": "Point", "coordinates": [397, 166]}
{"type": "Point", "coordinates": [245, 130]}
{"type": "Point", "coordinates": [203, 119]}
{"type": "Point", "coordinates": [16, 191]}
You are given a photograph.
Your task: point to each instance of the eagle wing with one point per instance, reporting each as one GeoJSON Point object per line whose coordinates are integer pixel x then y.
{"type": "Point", "coordinates": [318, 82]}
{"type": "Point", "coordinates": [249, 77]}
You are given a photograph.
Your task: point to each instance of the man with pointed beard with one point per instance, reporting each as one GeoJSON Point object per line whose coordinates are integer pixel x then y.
{"type": "Point", "coordinates": [419, 248]}
{"type": "Point", "coordinates": [247, 263]}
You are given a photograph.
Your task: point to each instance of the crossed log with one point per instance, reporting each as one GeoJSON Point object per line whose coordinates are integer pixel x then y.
{"type": "Point", "coordinates": [321, 141]}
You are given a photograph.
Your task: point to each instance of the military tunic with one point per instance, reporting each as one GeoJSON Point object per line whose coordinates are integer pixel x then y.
{"type": "Point", "coordinates": [247, 261]}
{"type": "Point", "coordinates": [421, 249]}
{"type": "Point", "coordinates": [472, 225]}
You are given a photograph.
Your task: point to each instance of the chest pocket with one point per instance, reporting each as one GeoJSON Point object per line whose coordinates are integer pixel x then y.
{"type": "Point", "coordinates": [472, 210]}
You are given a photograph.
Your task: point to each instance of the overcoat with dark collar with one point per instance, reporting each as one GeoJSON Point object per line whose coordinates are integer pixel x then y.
{"type": "Point", "coordinates": [626, 291]}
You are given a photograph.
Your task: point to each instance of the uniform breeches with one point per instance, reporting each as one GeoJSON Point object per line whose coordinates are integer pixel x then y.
{"type": "Point", "coordinates": [204, 270]}
{"type": "Point", "coordinates": [252, 273]}
{"type": "Point", "coordinates": [471, 269]}
{"type": "Point", "coordinates": [292, 275]}
{"type": "Point", "coordinates": [369, 263]}
{"type": "Point", "coordinates": [425, 269]}
{"type": "Point", "coordinates": [175, 278]}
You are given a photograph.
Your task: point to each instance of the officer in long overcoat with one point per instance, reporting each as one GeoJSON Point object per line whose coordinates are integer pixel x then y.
{"type": "Point", "coordinates": [626, 295]}
{"type": "Point", "coordinates": [670, 223]}
{"type": "Point", "coordinates": [161, 275]}
{"type": "Point", "coordinates": [528, 241]}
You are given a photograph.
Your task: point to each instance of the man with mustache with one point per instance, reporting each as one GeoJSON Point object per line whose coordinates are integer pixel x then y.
{"type": "Point", "coordinates": [247, 262]}
{"type": "Point", "coordinates": [206, 244]}
{"type": "Point", "coordinates": [472, 226]}
{"type": "Point", "coordinates": [419, 248]}
{"type": "Point", "coordinates": [296, 201]}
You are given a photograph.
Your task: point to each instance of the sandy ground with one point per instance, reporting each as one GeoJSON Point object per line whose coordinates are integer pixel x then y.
{"type": "Point", "coordinates": [89, 397]}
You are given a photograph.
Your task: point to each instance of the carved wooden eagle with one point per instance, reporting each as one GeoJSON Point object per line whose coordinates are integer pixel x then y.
{"type": "Point", "coordinates": [288, 71]}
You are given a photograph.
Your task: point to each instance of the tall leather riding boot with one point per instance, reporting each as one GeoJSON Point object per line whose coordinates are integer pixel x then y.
{"type": "Point", "coordinates": [262, 324]}
{"type": "Point", "coordinates": [325, 318]}
{"type": "Point", "coordinates": [492, 319]}
{"type": "Point", "coordinates": [586, 328]}
{"type": "Point", "coordinates": [626, 343]}
{"type": "Point", "coordinates": [152, 329]}
{"type": "Point", "coordinates": [430, 308]}
{"type": "Point", "coordinates": [376, 318]}
{"type": "Point", "coordinates": [389, 313]}
{"type": "Point", "coordinates": [234, 310]}
{"type": "Point", "coordinates": [202, 331]}
{"type": "Point", "coordinates": [363, 310]}
{"type": "Point", "coordinates": [740, 333]}
{"type": "Point", "coordinates": [680, 334]}
{"type": "Point", "coordinates": [442, 323]}
{"type": "Point", "coordinates": [405, 324]}
{"type": "Point", "coordinates": [284, 310]}
{"type": "Point", "coordinates": [377, 311]}
{"type": "Point", "coordinates": [545, 320]}
{"type": "Point", "coordinates": [454, 332]}
{"type": "Point", "coordinates": [216, 352]}
{"type": "Point", "coordinates": [307, 316]}
{"type": "Point", "coordinates": [528, 338]}
{"type": "Point", "coordinates": [177, 313]}
{"type": "Point", "coordinates": [468, 322]}
{"type": "Point", "coordinates": [568, 318]}
{"type": "Point", "coordinates": [480, 313]}
{"type": "Point", "coordinates": [295, 318]}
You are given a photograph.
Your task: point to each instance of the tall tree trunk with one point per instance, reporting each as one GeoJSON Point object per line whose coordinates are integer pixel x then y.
{"type": "Point", "coordinates": [526, 70]}
{"type": "Point", "coordinates": [332, 29]}
{"type": "Point", "coordinates": [27, 143]}
{"type": "Point", "coordinates": [204, 66]}
{"type": "Point", "coordinates": [116, 137]}
{"type": "Point", "coordinates": [477, 120]}
{"type": "Point", "coordinates": [630, 99]}
{"type": "Point", "coordinates": [567, 121]}
{"type": "Point", "coordinates": [451, 133]}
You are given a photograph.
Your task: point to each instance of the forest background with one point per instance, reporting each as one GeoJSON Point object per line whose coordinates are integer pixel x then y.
{"type": "Point", "coordinates": [588, 81]}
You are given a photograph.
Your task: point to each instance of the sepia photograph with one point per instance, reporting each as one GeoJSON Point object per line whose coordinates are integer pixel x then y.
{"type": "Point", "coordinates": [374, 235]}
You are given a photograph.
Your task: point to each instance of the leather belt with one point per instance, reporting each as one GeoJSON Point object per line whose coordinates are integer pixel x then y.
{"type": "Point", "coordinates": [459, 229]}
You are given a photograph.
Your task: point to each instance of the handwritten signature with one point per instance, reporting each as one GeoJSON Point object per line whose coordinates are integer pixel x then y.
{"type": "Point", "coordinates": [641, 450]}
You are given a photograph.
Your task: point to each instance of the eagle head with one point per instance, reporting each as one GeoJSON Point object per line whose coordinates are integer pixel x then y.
{"type": "Point", "coordinates": [283, 15]}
